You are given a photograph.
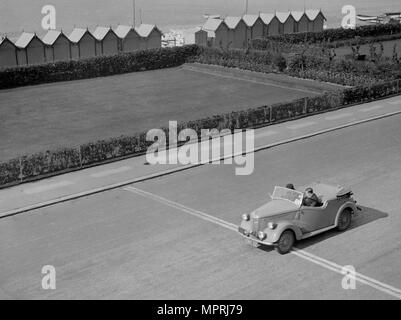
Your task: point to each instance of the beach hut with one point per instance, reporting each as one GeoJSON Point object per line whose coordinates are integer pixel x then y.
{"type": "Point", "coordinates": [286, 21]}
{"type": "Point", "coordinates": [200, 37]}
{"type": "Point", "coordinates": [301, 21]}
{"type": "Point", "coordinates": [255, 26]}
{"type": "Point", "coordinates": [271, 24]}
{"type": "Point", "coordinates": [151, 36]}
{"type": "Point", "coordinates": [195, 36]}
{"type": "Point", "coordinates": [316, 20]}
{"type": "Point", "coordinates": [107, 41]}
{"type": "Point", "coordinates": [83, 44]}
{"type": "Point", "coordinates": [30, 49]}
{"type": "Point", "coordinates": [217, 32]}
{"type": "Point", "coordinates": [8, 53]}
{"type": "Point", "coordinates": [129, 38]}
{"type": "Point", "coordinates": [237, 34]}
{"type": "Point", "coordinates": [58, 46]}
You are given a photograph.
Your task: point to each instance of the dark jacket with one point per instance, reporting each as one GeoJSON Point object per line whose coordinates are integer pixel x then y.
{"type": "Point", "coordinates": [312, 201]}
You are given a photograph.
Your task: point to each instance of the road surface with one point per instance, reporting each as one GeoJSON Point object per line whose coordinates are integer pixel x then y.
{"type": "Point", "coordinates": [153, 240]}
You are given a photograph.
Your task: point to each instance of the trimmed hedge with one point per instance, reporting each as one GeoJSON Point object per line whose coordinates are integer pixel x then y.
{"type": "Point", "coordinates": [260, 61]}
{"type": "Point", "coordinates": [53, 162]}
{"type": "Point", "coordinates": [96, 67]}
{"type": "Point", "coordinates": [331, 35]}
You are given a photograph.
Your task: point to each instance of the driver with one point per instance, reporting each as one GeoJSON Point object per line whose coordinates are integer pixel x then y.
{"type": "Point", "coordinates": [311, 199]}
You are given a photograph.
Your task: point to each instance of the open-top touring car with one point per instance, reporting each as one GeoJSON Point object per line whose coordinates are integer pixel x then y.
{"type": "Point", "coordinates": [285, 219]}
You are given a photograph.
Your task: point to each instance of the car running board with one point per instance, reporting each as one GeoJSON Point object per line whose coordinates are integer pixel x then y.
{"type": "Point", "coordinates": [311, 234]}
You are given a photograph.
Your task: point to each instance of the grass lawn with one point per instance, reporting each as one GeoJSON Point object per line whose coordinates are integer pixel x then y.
{"type": "Point", "coordinates": [65, 114]}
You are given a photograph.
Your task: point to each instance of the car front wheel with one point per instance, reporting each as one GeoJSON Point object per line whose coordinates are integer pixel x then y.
{"type": "Point", "coordinates": [285, 243]}
{"type": "Point", "coordinates": [344, 220]}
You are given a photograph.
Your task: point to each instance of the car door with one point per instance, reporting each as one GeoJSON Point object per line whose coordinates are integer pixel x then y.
{"type": "Point", "coordinates": [313, 219]}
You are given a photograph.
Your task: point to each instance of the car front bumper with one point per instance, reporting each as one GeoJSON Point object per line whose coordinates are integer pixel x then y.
{"type": "Point", "coordinates": [252, 237]}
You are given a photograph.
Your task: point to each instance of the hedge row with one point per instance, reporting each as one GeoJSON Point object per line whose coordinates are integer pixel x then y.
{"type": "Point", "coordinates": [260, 61]}
{"type": "Point", "coordinates": [345, 72]}
{"type": "Point", "coordinates": [96, 67]}
{"type": "Point", "coordinates": [332, 35]}
{"type": "Point", "coordinates": [52, 162]}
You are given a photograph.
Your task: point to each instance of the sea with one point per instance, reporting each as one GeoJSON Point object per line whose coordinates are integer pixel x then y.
{"type": "Point", "coordinates": [25, 15]}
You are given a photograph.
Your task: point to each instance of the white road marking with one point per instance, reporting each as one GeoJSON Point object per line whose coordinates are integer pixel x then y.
{"type": "Point", "coordinates": [301, 125]}
{"type": "Point", "coordinates": [110, 172]}
{"type": "Point", "coordinates": [395, 102]}
{"type": "Point", "coordinates": [270, 84]}
{"type": "Point", "coordinates": [385, 288]}
{"type": "Point", "coordinates": [193, 212]}
{"type": "Point", "coordinates": [395, 292]}
{"type": "Point", "coordinates": [48, 187]}
{"type": "Point", "coordinates": [339, 116]}
{"type": "Point", "coordinates": [371, 108]}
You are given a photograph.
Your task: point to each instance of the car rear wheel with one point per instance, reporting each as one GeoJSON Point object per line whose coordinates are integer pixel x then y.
{"type": "Point", "coordinates": [344, 221]}
{"type": "Point", "coordinates": [286, 241]}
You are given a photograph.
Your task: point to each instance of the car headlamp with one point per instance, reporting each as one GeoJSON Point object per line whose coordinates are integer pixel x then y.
{"type": "Point", "coordinates": [246, 217]}
{"type": "Point", "coordinates": [261, 235]}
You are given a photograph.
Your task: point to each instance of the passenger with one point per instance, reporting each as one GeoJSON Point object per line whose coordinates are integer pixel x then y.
{"type": "Point", "coordinates": [290, 186]}
{"type": "Point", "coordinates": [311, 199]}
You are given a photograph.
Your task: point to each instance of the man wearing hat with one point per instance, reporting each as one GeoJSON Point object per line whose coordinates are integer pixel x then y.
{"type": "Point", "coordinates": [311, 199]}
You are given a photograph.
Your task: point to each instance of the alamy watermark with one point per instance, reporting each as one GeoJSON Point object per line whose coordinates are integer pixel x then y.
{"type": "Point", "coordinates": [349, 280]}
{"type": "Point", "coordinates": [49, 278]}
{"type": "Point", "coordinates": [49, 20]}
{"type": "Point", "coordinates": [349, 17]}
{"type": "Point", "coordinates": [214, 146]}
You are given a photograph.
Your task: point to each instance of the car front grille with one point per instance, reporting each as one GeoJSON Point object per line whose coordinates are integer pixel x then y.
{"type": "Point", "coordinates": [255, 225]}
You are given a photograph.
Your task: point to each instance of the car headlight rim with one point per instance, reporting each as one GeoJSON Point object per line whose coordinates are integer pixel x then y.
{"type": "Point", "coordinates": [261, 235]}
{"type": "Point", "coordinates": [246, 217]}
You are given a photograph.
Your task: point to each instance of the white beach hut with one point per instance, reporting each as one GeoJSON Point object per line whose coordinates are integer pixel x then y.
{"type": "Point", "coordinates": [57, 46]}
{"type": "Point", "coordinates": [83, 44]}
{"type": "Point", "coordinates": [316, 20]}
{"type": "Point", "coordinates": [30, 49]}
{"type": "Point", "coordinates": [217, 31]}
{"type": "Point", "coordinates": [129, 38]}
{"type": "Point", "coordinates": [237, 34]}
{"type": "Point", "coordinates": [107, 42]}
{"type": "Point", "coordinates": [8, 53]}
{"type": "Point", "coordinates": [151, 36]}
{"type": "Point", "coordinates": [271, 24]}
{"type": "Point", "coordinates": [255, 26]}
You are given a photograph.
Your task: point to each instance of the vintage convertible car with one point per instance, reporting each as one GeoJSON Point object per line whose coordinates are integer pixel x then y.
{"type": "Point", "coordinates": [284, 219]}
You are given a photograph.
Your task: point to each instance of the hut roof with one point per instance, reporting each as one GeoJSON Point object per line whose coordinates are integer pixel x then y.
{"type": "Point", "coordinates": [144, 30]}
{"type": "Point", "coordinates": [212, 24]}
{"type": "Point", "coordinates": [25, 39]}
{"type": "Point", "coordinates": [77, 34]}
{"type": "Point", "coordinates": [232, 22]}
{"type": "Point", "coordinates": [250, 19]}
{"type": "Point", "coordinates": [101, 32]}
{"type": "Point", "coordinates": [313, 13]}
{"type": "Point", "coordinates": [122, 31]}
{"type": "Point", "coordinates": [297, 15]}
{"type": "Point", "coordinates": [283, 16]}
{"type": "Point", "coordinates": [267, 17]}
{"type": "Point", "coordinates": [51, 37]}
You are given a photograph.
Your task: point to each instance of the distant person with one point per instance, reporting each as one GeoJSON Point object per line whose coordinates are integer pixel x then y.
{"type": "Point", "coordinates": [290, 186]}
{"type": "Point", "coordinates": [311, 199]}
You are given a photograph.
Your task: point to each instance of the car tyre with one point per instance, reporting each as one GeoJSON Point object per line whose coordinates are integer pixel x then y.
{"type": "Point", "coordinates": [344, 221]}
{"type": "Point", "coordinates": [286, 242]}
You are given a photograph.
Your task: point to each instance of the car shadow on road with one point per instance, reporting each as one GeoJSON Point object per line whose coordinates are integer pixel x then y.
{"type": "Point", "coordinates": [366, 216]}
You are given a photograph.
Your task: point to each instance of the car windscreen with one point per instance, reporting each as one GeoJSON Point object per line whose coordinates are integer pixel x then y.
{"type": "Point", "coordinates": [293, 196]}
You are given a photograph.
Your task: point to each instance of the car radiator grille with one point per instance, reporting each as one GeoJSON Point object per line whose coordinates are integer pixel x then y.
{"type": "Point", "coordinates": [255, 225]}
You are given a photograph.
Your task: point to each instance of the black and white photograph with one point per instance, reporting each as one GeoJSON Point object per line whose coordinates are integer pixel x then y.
{"type": "Point", "coordinates": [179, 151]}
